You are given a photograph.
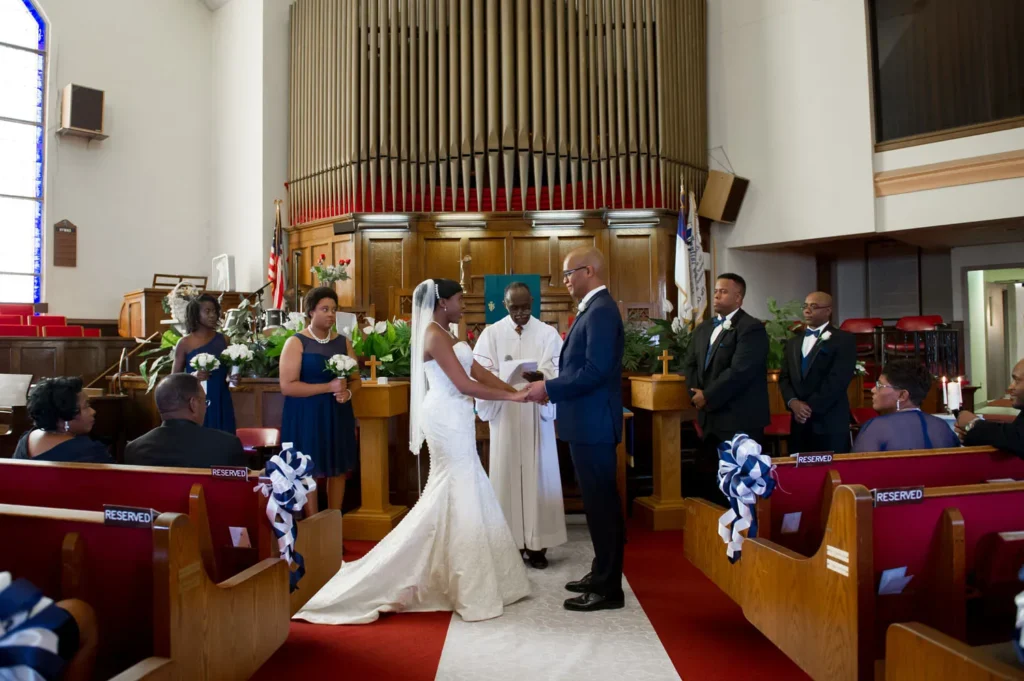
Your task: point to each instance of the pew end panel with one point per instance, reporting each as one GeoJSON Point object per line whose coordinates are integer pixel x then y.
{"type": "Point", "coordinates": [916, 651]}
{"type": "Point", "coordinates": [704, 548]}
{"type": "Point", "coordinates": [319, 544]}
{"type": "Point", "coordinates": [214, 632]}
{"type": "Point", "coordinates": [819, 610]}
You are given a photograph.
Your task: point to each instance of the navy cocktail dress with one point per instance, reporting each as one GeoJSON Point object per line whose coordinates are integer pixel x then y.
{"type": "Point", "coordinates": [221, 412]}
{"type": "Point", "coordinates": [318, 426]}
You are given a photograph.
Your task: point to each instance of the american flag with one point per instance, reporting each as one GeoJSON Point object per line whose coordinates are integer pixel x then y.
{"type": "Point", "coordinates": [275, 267]}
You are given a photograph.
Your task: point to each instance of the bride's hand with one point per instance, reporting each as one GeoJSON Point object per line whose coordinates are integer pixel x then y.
{"type": "Point", "coordinates": [519, 396]}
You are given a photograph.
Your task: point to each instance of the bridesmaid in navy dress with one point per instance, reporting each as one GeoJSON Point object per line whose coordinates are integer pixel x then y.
{"type": "Point", "coordinates": [202, 316]}
{"type": "Point", "coordinates": [318, 418]}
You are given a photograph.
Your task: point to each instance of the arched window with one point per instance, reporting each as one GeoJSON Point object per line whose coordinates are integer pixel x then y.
{"type": "Point", "coordinates": [22, 125]}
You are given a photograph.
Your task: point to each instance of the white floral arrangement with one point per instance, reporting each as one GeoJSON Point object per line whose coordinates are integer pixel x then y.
{"type": "Point", "coordinates": [860, 369]}
{"type": "Point", "coordinates": [374, 326]}
{"type": "Point", "coordinates": [677, 324]}
{"type": "Point", "coordinates": [342, 366]}
{"type": "Point", "coordinates": [205, 362]}
{"type": "Point", "coordinates": [296, 322]}
{"type": "Point", "coordinates": [176, 302]}
{"type": "Point", "coordinates": [237, 356]}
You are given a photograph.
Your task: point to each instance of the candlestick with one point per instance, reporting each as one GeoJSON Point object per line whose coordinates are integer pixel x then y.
{"type": "Point", "coordinates": [945, 396]}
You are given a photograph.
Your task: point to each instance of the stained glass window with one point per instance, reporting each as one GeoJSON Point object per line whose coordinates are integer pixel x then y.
{"type": "Point", "coordinates": [22, 98]}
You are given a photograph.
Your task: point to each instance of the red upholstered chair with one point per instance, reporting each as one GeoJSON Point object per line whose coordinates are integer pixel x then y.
{"type": "Point", "coordinates": [47, 320]}
{"type": "Point", "coordinates": [19, 330]}
{"type": "Point", "coordinates": [13, 319]}
{"type": "Point", "coordinates": [862, 415]}
{"type": "Point", "coordinates": [909, 325]}
{"type": "Point", "coordinates": [91, 333]}
{"type": "Point", "coordinates": [62, 332]}
{"type": "Point", "coordinates": [260, 444]}
{"type": "Point", "coordinates": [864, 327]}
{"type": "Point", "coordinates": [777, 431]}
{"type": "Point", "coordinates": [22, 310]}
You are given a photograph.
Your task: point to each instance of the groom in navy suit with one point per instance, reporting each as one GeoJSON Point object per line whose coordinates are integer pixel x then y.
{"type": "Point", "coordinates": [588, 395]}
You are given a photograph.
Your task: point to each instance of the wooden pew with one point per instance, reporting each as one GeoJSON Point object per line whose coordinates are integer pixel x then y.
{"type": "Point", "coordinates": [823, 611]}
{"type": "Point", "coordinates": [159, 614]}
{"type": "Point", "coordinates": [915, 651]}
{"type": "Point", "coordinates": [231, 503]}
{"type": "Point", "coordinates": [809, 489]}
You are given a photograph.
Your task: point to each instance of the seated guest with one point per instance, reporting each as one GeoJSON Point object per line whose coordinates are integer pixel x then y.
{"type": "Point", "coordinates": [181, 440]}
{"type": "Point", "coordinates": [1006, 436]}
{"type": "Point", "coordinates": [63, 419]}
{"type": "Point", "coordinates": [897, 396]}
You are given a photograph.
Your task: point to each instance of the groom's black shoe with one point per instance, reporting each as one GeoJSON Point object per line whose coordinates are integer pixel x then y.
{"type": "Point", "coordinates": [589, 602]}
{"type": "Point", "coordinates": [581, 586]}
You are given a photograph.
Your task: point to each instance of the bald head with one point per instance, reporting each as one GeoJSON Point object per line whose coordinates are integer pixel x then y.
{"type": "Point", "coordinates": [586, 271]}
{"type": "Point", "coordinates": [1016, 389]}
{"type": "Point", "coordinates": [817, 309]}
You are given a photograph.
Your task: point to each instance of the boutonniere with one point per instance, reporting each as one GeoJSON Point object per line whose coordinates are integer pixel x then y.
{"type": "Point", "coordinates": [727, 325]}
{"type": "Point", "coordinates": [825, 336]}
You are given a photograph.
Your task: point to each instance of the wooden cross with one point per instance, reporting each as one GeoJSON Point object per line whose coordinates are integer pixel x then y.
{"type": "Point", "coordinates": [373, 363]}
{"type": "Point", "coordinates": [665, 357]}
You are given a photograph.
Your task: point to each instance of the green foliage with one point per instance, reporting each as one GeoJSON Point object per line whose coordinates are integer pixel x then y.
{"type": "Point", "coordinates": [636, 351]}
{"type": "Point", "coordinates": [159, 360]}
{"type": "Point", "coordinates": [783, 321]}
{"type": "Point", "coordinates": [643, 345]}
{"type": "Point", "coordinates": [392, 347]}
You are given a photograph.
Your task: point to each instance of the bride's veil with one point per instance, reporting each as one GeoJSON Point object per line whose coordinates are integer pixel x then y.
{"type": "Point", "coordinates": [423, 298]}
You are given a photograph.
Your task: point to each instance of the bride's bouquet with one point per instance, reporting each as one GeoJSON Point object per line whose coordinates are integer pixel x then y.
{"type": "Point", "coordinates": [342, 366]}
{"type": "Point", "coordinates": [237, 356]}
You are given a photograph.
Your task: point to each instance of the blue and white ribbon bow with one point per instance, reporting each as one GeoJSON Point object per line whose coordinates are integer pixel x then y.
{"type": "Point", "coordinates": [1018, 640]}
{"type": "Point", "coordinates": [744, 474]}
{"type": "Point", "coordinates": [29, 623]}
{"type": "Point", "coordinates": [291, 481]}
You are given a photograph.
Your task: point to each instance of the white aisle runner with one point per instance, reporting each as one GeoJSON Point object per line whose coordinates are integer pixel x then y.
{"type": "Point", "coordinates": [539, 640]}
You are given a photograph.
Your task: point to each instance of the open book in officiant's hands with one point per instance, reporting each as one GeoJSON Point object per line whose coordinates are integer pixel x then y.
{"type": "Point", "coordinates": [515, 372]}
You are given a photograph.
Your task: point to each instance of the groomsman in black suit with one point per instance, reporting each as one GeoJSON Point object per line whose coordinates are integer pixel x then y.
{"type": "Point", "coordinates": [816, 373]}
{"type": "Point", "coordinates": [726, 369]}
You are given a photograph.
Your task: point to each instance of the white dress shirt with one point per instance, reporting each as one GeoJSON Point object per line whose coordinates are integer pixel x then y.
{"type": "Point", "coordinates": [809, 341]}
{"type": "Point", "coordinates": [718, 329]}
{"type": "Point", "coordinates": [586, 299]}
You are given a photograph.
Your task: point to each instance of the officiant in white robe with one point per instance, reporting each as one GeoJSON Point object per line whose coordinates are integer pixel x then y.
{"type": "Point", "coordinates": [523, 454]}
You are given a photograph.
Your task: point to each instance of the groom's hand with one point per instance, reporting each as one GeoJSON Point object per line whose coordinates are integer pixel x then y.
{"type": "Point", "coordinates": [536, 392]}
{"type": "Point", "coordinates": [698, 398]}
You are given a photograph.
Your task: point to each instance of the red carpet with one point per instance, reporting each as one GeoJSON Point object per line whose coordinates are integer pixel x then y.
{"type": "Point", "coordinates": [406, 647]}
{"type": "Point", "coordinates": [702, 630]}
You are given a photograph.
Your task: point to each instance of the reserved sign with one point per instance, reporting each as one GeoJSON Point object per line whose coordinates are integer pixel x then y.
{"type": "Point", "coordinates": [899, 495]}
{"type": "Point", "coordinates": [230, 472]}
{"type": "Point", "coordinates": [814, 459]}
{"type": "Point", "coordinates": [128, 516]}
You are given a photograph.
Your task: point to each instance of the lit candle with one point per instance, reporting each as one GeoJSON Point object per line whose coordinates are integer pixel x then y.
{"type": "Point", "coordinates": [945, 395]}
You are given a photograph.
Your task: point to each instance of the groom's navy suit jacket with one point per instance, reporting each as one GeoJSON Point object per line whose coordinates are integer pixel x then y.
{"type": "Point", "coordinates": [588, 389]}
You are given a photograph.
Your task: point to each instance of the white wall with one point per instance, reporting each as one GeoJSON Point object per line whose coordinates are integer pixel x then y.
{"type": "Point", "coordinates": [788, 100]}
{"type": "Point", "coordinates": [1018, 308]}
{"type": "Point", "coordinates": [778, 274]}
{"type": "Point", "coordinates": [975, 351]}
{"type": "Point", "coordinates": [141, 199]}
{"type": "Point", "coordinates": [250, 124]}
{"type": "Point", "coordinates": [237, 149]}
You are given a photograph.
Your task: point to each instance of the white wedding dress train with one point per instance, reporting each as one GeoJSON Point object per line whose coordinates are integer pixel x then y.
{"type": "Point", "coordinates": [453, 551]}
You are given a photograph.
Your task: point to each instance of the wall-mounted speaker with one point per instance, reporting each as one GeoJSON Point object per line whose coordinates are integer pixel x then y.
{"type": "Point", "coordinates": [723, 195]}
{"type": "Point", "coordinates": [81, 112]}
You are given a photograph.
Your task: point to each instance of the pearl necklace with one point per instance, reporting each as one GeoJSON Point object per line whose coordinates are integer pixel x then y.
{"type": "Point", "coordinates": [325, 341]}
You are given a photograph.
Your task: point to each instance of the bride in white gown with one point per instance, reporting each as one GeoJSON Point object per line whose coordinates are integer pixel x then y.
{"type": "Point", "coordinates": [454, 550]}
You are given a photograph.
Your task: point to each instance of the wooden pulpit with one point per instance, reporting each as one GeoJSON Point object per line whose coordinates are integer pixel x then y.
{"type": "Point", "coordinates": [375, 403]}
{"type": "Point", "coordinates": [669, 401]}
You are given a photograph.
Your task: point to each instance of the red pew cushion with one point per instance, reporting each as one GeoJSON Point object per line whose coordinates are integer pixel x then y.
{"type": "Point", "coordinates": [19, 330]}
{"type": "Point", "coordinates": [13, 319]}
{"type": "Point", "coordinates": [47, 320]}
{"type": "Point", "coordinates": [22, 310]}
{"type": "Point", "coordinates": [62, 332]}
{"type": "Point", "coordinates": [91, 333]}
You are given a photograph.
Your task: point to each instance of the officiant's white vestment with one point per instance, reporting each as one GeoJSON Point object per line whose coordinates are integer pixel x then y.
{"type": "Point", "coordinates": [524, 458]}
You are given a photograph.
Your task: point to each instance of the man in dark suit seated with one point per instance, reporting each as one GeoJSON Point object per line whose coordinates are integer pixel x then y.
{"type": "Point", "coordinates": [181, 441]}
{"type": "Point", "coordinates": [1009, 437]}
{"type": "Point", "coordinates": [816, 373]}
{"type": "Point", "coordinates": [726, 369]}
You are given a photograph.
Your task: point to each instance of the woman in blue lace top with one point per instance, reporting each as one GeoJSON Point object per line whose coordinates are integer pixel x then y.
{"type": "Point", "coordinates": [897, 396]}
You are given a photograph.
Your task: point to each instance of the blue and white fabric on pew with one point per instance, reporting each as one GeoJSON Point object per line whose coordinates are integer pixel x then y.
{"type": "Point", "coordinates": [744, 474]}
{"type": "Point", "coordinates": [36, 637]}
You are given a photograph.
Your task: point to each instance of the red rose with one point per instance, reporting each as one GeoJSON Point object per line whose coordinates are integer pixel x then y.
{"type": "Point", "coordinates": [469, 335]}
{"type": "Point", "coordinates": [341, 262]}
{"type": "Point", "coordinates": [323, 257]}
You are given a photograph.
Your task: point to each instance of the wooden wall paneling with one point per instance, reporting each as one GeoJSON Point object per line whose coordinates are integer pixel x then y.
{"type": "Point", "coordinates": [440, 253]}
{"type": "Point", "coordinates": [344, 249]}
{"type": "Point", "coordinates": [530, 253]}
{"type": "Point", "coordinates": [387, 262]}
{"type": "Point", "coordinates": [633, 278]}
{"type": "Point", "coordinates": [490, 256]}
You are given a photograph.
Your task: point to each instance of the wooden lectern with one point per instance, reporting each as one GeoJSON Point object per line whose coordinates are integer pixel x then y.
{"type": "Point", "coordinates": [667, 397]}
{"type": "Point", "coordinates": [375, 403]}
